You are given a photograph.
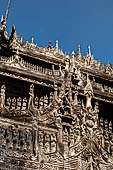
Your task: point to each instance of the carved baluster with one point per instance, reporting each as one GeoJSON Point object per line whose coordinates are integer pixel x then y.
{"type": "Point", "coordinates": [47, 143]}
{"type": "Point", "coordinates": [51, 97]}
{"type": "Point", "coordinates": [41, 140]}
{"type": "Point", "coordinates": [110, 127]}
{"type": "Point", "coordinates": [26, 64]}
{"type": "Point", "coordinates": [24, 106]}
{"type": "Point", "coordinates": [41, 68]}
{"type": "Point", "coordinates": [22, 141]}
{"type": "Point", "coordinates": [9, 137]}
{"type": "Point", "coordinates": [36, 102]}
{"type": "Point", "coordinates": [29, 141]}
{"type": "Point", "coordinates": [106, 125]}
{"type": "Point", "coordinates": [19, 103]}
{"type": "Point", "coordinates": [36, 68]}
{"type": "Point", "coordinates": [111, 144]}
{"type": "Point", "coordinates": [16, 139]}
{"type": "Point", "coordinates": [45, 101]}
{"type": "Point", "coordinates": [53, 143]}
{"type": "Point", "coordinates": [2, 136]}
{"type": "Point", "coordinates": [2, 96]}
{"type": "Point", "coordinates": [13, 106]}
{"type": "Point", "coordinates": [102, 127]}
{"type": "Point", "coordinates": [29, 65]}
{"type": "Point", "coordinates": [106, 136]}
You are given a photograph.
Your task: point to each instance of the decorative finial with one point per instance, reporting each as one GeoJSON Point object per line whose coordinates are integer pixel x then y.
{"type": "Point", "coordinates": [2, 18]}
{"type": "Point", "coordinates": [79, 52]}
{"type": "Point", "coordinates": [21, 39]}
{"type": "Point", "coordinates": [56, 45]}
{"type": "Point", "coordinates": [73, 53]}
{"type": "Point", "coordinates": [32, 40]}
{"type": "Point", "coordinates": [89, 50]}
{"type": "Point", "coordinates": [49, 43]}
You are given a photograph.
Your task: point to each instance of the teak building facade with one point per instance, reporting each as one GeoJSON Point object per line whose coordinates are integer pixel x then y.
{"type": "Point", "coordinates": [56, 110]}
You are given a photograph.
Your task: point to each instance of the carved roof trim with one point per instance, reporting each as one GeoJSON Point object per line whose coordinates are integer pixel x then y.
{"type": "Point", "coordinates": [26, 79]}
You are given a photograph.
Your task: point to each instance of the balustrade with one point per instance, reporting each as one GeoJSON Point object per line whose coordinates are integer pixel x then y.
{"type": "Point", "coordinates": [15, 139]}
{"type": "Point", "coordinates": [29, 66]}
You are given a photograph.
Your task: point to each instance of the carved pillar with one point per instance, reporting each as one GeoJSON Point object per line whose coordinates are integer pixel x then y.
{"type": "Point", "coordinates": [34, 113]}
{"type": "Point", "coordinates": [2, 100]}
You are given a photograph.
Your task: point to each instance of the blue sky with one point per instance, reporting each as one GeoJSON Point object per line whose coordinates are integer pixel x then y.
{"type": "Point", "coordinates": [72, 22]}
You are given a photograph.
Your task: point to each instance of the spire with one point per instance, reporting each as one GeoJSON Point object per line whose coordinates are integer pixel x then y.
{"type": "Point", "coordinates": [7, 11]}
{"type": "Point", "coordinates": [89, 52]}
{"type": "Point", "coordinates": [3, 21]}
